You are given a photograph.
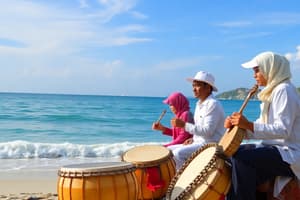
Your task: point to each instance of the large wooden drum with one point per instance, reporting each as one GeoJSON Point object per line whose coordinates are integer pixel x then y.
{"type": "Point", "coordinates": [155, 169]}
{"type": "Point", "coordinates": [204, 176]}
{"type": "Point", "coordinates": [97, 181]}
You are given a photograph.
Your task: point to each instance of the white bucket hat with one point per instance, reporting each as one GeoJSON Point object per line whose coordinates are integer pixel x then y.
{"type": "Point", "coordinates": [204, 77]}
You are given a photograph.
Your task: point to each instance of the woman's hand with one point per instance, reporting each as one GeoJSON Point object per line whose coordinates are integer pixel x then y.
{"type": "Point", "coordinates": [237, 119]}
{"type": "Point", "coordinates": [227, 122]}
{"type": "Point", "coordinates": [176, 122]}
{"type": "Point", "coordinates": [158, 126]}
{"type": "Point", "coordinates": [188, 141]}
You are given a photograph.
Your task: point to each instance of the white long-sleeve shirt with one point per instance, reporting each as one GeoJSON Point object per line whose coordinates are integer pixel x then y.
{"type": "Point", "coordinates": [283, 127]}
{"type": "Point", "coordinates": [209, 119]}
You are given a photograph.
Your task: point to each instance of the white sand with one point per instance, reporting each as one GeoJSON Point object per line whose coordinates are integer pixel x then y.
{"type": "Point", "coordinates": [25, 184]}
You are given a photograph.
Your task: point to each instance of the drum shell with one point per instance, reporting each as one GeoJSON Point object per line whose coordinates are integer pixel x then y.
{"type": "Point", "coordinates": [231, 140]}
{"type": "Point", "coordinates": [220, 184]}
{"type": "Point", "coordinates": [118, 185]}
{"type": "Point", "coordinates": [165, 166]}
{"type": "Point", "coordinates": [167, 171]}
{"type": "Point", "coordinates": [213, 184]}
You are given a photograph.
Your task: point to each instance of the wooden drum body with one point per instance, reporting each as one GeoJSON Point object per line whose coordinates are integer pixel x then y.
{"type": "Point", "coordinates": [155, 169]}
{"type": "Point", "coordinates": [97, 181]}
{"type": "Point", "coordinates": [231, 140]}
{"type": "Point", "coordinates": [204, 176]}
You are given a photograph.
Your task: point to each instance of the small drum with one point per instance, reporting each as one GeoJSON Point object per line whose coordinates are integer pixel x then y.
{"type": "Point", "coordinates": [204, 176]}
{"type": "Point", "coordinates": [231, 140]}
{"type": "Point", "coordinates": [155, 169]}
{"type": "Point", "coordinates": [97, 181]}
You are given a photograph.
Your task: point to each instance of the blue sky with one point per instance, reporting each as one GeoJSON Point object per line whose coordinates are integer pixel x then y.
{"type": "Point", "coordinates": [140, 47]}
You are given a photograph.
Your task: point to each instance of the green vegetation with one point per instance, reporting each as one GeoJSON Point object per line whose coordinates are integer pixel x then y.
{"type": "Point", "coordinates": [238, 94]}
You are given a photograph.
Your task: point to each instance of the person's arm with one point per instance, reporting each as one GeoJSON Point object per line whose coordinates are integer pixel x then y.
{"type": "Point", "coordinates": [180, 139]}
{"type": "Point", "coordinates": [181, 134]}
{"type": "Point", "coordinates": [281, 117]}
{"type": "Point", "coordinates": [163, 129]}
{"type": "Point", "coordinates": [237, 119]}
{"type": "Point", "coordinates": [167, 131]}
{"type": "Point", "coordinates": [206, 126]}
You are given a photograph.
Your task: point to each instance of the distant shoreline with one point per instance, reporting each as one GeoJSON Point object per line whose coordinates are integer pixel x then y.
{"type": "Point", "coordinates": [235, 94]}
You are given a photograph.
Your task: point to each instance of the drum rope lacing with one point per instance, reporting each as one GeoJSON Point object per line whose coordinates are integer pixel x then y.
{"type": "Point", "coordinates": [79, 174]}
{"type": "Point", "coordinates": [201, 177]}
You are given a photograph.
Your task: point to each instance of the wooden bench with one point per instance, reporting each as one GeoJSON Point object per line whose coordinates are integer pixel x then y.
{"type": "Point", "coordinates": [290, 192]}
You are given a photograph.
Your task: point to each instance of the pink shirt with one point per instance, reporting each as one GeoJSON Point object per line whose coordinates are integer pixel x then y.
{"type": "Point", "coordinates": [179, 134]}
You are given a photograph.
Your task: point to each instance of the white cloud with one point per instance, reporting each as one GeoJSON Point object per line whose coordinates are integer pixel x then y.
{"type": "Point", "coordinates": [131, 28]}
{"type": "Point", "coordinates": [113, 8]}
{"type": "Point", "coordinates": [280, 18]}
{"type": "Point", "coordinates": [138, 15]}
{"type": "Point", "coordinates": [177, 64]}
{"type": "Point", "coordinates": [258, 26]}
{"type": "Point", "coordinates": [263, 19]}
{"type": "Point", "coordinates": [235, 24]}
{"type": "Point", "coordinates": [239, 36]}
{"type": "Point", "coordinates": [127, 40]}
{"type": "Point", "coordinates": [294, 58]}
{"type": "Point", "coordinates": [44, 28]}
{"type": "Point", "coordinates": [83, 4]}
{"type": "Point", "coordinates": [47, 39]}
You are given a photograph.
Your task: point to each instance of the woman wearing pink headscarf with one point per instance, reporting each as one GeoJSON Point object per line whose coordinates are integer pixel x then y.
{"type": "Point", "coordinates": [180, 106]}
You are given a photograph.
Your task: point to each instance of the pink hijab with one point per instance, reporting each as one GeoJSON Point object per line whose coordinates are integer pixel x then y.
{"type": "Point", "coordinates": [179, 101]}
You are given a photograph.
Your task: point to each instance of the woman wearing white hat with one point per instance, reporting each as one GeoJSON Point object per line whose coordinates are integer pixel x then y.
{"type": "Point", "coordinates": [208, 117]}
{"type": "Point", "coordinates": [278, 157]}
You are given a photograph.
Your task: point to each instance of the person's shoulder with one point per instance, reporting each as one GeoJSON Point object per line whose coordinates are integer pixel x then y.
{"type": "Point", "coordinates": [212, 101]}
{"type": "Point", "coordinates": [184, 113]}
{"type": "Point", "coordinates": [286, 89]}
{"type": "Point", "coordinates": [285, 86]}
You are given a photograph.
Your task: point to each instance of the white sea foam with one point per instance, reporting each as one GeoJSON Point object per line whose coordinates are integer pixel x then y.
{"type": "Point", "coordinates": [22, 156]}
{"type": "Point", "coordinates": [29, 150]}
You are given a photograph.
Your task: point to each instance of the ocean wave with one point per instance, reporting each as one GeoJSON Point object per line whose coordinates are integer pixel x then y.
{"type": "Point", "coordinates": [29, 150]}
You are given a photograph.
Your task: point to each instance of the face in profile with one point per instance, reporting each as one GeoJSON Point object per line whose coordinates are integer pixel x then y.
{"type": "Point", "coordinates": [259, 77]}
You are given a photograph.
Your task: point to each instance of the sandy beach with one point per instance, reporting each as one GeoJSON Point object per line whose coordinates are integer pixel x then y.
{"type": "Point", "coordinates": [28, 185]}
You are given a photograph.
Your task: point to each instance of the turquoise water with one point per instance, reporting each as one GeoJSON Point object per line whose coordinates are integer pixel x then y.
{"type": "Point", "coordinates": [39, 127]}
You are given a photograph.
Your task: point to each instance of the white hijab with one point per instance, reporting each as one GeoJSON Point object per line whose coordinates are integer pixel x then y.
{"type": "Point", "coordinates": [275, 69]}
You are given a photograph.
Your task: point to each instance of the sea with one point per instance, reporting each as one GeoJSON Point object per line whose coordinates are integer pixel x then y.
{"type": "Point", "coordinates": [49, 131]}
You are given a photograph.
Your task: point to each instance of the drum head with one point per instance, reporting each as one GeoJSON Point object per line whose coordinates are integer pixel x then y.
{"type": "Point", "coordinates": [198, 168]}
{"type": "Point", "coordinates": [95, 169]}
{"type": "Point", "coordinates": [147, 154]}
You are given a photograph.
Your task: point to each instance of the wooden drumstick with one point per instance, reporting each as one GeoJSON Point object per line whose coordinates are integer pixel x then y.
{"type": "Point", "coordinates": [161, 116]}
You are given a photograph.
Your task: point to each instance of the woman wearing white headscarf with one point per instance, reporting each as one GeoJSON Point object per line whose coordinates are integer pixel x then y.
{"type": "Point", "coordinates": [277, 158]}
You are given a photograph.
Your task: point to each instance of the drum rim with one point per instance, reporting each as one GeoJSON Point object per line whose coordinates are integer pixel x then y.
{"type": "Point", "coordinates": [152, 163]}
{"type": "Point", "coordinates": [212, 164]}
{"type": "Point", "coordinates": [87, 172]}
{"type": "Point", "coordinates": [231, 146]}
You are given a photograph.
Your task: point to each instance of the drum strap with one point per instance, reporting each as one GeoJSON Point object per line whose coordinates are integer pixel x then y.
{"type": "Point", "coordinates": [154, 179]}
